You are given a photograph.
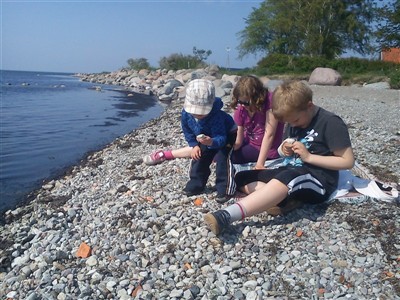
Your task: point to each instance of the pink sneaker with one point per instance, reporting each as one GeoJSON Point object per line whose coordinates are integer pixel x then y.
{"type": "Point", "coordinates": [154, 158]}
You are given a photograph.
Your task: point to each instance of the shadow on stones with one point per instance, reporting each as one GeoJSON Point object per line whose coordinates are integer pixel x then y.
{"type": "Point", "coordinates": [310, 212]}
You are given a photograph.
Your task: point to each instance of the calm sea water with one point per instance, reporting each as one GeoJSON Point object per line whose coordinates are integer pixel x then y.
{"type": "Point", "coordinates": [49, 121]}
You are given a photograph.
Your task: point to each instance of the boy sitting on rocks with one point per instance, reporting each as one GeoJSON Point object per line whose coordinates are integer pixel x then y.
{"type": "Point", "coordinates": [318, 142]}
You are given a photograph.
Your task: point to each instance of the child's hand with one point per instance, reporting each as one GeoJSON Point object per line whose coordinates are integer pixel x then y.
{"type": "Point", "coordinates": [300, 150]}
{"type": "Point", "coordinates": [205, 140]}
{"type": "Point", "coordinates": [200, 137]}
{"type": "Point", "coordinates": [195, 153]}
{"type": "Point", "coordinates": [287, 147]}
{"type": "Point", "coordinates": [259, 167]}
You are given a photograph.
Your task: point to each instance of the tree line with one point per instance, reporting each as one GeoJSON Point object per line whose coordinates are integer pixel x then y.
{"type": "Point", "coordinates": [313, 28]}
{"type": "Point", "coordinates": [326, 28]}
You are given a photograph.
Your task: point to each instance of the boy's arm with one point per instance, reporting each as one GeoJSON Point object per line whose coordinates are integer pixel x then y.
{"type": "Point", "coordinates": [340, 160]}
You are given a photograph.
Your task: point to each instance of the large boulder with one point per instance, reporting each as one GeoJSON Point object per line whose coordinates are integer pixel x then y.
{"type": "Point", "coordinates": [325, 76]}
{"type": "Point", "coordinates": [198, 74]}
{"type": "Point", "coordinates": [169, 87]}
{"type": "Point", "coordinates": [232, 78]}
{"type": "Point", "coordinates": [213, 70]}
{"type": "Point", "coordinates": [220, 92]}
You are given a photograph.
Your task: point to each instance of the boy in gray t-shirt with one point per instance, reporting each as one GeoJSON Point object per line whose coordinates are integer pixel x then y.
{"type": "Point", "coordinates": [316, 147]}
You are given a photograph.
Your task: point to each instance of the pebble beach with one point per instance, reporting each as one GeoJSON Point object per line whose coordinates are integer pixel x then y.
{"type": "Point", "coordinates": [140, 237]}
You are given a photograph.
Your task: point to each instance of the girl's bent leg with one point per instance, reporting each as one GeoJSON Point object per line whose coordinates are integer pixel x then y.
{"type": "Point", "coordinates": [182, 152]}
{"type": "Point", "coordinates": [245, 154]}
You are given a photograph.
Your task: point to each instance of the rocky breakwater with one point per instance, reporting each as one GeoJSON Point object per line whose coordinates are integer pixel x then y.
{"type": "Point", "coordinates": [114, 228]}
{"type": "Point", "coordinates": [168, 85]}
{"type": "Point", "coordinates": [165, 84]}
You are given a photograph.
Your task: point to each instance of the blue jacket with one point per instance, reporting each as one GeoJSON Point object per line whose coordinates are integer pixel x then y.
{"type": "Point", "coordinates": [217, 125]}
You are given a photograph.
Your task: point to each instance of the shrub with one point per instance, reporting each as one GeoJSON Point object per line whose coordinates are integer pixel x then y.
{"type": "Point", "coordinates": [138, 63]}
{"type": "Point", "coordinates": [395, 79]}
{"type": "Point", "coordinates": [282, 63]}
{"type": "Point", "coordinates": [384, 67]}
{"type": "Point", "coordinates": [179, 61]}
{"type": "Point", "coordinates": [352, 67]}
{"type": "Point", "coordinates": [304, 64]}
{"type": "Point", "coordinates": [274, 64]}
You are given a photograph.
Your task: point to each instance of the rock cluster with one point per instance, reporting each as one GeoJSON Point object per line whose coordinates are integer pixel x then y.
{"type": "Point", "coordinates": [165, 84]}
{"type": "Point", "coordinates": [114, 228]}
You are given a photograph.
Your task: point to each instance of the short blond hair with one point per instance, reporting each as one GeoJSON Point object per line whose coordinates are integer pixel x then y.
{"type": "Point", "coordinates": [290, 97]}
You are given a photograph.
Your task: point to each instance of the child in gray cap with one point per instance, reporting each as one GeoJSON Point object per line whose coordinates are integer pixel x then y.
{"type": "Point", "coordinates": [210, 133]}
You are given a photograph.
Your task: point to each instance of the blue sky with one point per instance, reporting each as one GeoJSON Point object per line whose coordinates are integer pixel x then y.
{"type": "Point", "coordinates": [97, 36]}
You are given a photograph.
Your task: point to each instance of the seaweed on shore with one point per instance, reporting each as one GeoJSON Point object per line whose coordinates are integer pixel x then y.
{"type": "Point", "coordinates": [382, 173]}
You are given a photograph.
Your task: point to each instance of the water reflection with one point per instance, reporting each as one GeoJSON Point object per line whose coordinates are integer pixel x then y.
{"type": "Point", "coordinates": [130, 106]}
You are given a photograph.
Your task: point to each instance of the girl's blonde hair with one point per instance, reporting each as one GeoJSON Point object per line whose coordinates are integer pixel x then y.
{"type": "Point", "coordinates": [250, 87]}
{"type": "Point", "coordinates": [290, 97]}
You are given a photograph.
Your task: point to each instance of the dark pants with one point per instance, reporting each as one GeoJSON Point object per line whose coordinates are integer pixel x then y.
{"type": "Point", "coordinates": [200, 169]}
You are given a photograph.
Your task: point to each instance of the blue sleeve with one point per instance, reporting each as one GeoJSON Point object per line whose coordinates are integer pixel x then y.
{"type": "Point", "coordinates": [219, 131]}
{"type": "Point", "coordinates": [190, 136]}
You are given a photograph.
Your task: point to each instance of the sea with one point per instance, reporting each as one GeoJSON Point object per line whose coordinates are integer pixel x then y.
{"type": "Point", "coordinates": [50, 121]}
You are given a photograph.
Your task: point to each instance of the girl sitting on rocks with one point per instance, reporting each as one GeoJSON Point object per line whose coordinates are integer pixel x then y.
{"type": "Point", "coordinates": [259, 132]}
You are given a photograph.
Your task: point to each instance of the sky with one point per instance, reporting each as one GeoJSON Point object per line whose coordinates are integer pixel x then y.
{"type": "Point", "coordinates": [100, 36]}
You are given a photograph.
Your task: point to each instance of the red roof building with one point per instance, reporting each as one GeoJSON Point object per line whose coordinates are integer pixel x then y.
{"type": "Point", "coordinates": [391, 54]}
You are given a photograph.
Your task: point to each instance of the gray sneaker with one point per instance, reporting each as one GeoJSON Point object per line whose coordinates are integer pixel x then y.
{"type": "Point", "coordinates": [218, 221]}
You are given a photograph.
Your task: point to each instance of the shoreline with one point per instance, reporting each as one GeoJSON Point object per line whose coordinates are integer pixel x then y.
{"type": "Point", "coordinates": [147, 236]}
{"type": "Point", "coordinates": [147, 107]}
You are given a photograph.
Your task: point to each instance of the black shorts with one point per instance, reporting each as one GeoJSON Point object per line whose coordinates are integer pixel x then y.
{"type": "Point", "coordinates": [302, 185]}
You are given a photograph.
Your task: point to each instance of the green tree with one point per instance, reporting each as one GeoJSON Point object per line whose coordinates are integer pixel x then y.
{"type": "Point", "coordinates": [315, 27]}
{"type": "Point", "coordinates": [201, 54]}
{"type": "Point", "coordinates": [179, 61]}
{"type": "Point", "coordinates": [388, 32]}
{"type": "Point", "coordinates": [138, 63]}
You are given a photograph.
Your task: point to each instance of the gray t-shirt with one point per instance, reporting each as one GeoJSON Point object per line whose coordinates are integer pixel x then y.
{"type": "Point", "coordinates": [326, 133]}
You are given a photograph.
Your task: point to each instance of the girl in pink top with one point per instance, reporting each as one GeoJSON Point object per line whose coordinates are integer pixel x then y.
{"type": "Point", "coordinates": [259, 133]}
